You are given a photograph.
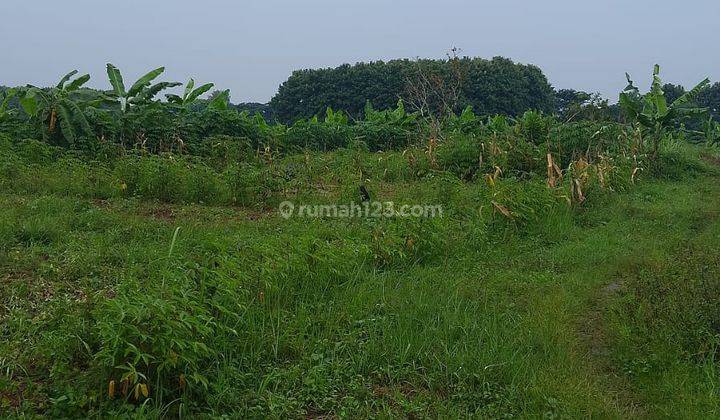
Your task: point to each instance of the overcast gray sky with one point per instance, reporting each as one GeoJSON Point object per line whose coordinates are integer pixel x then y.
{"type": "Point", "coordinates": [251, 47]}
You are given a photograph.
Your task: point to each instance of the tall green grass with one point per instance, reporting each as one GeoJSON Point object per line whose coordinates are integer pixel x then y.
{"type": "Point", "coordinates": [477, 313]}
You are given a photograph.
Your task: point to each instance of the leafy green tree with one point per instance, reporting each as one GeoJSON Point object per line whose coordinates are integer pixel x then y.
{"type": "Point", "coordinates": [499, 86]}
{"type": "Point", "coordinates": [496, 86]}
{"type": "Point", "coordinates": [710, 99]}
{"type": "Point", "coordinates": [672, 92]}
{"type": "Point", "coordinates": [565, 99]}
{"type": "Point", "coordinates": [572, 105]}
{"type": "Point", "coordinates": [652, 111]}
{"type": "Point", "coordinates": [56, 106]}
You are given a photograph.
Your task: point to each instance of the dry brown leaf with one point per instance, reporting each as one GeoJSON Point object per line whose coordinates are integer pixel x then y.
{"type": "Point", "coordinates": [502, 209]}
{"type": "Point", "coordinates": [550, 172]}
{"type": "Point", "coordinates": [578, 191]}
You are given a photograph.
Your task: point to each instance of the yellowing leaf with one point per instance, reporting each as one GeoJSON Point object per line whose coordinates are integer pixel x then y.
{"type": "Point", "coordinates": [502, 209]}
{"type": "Point", "coordinates": [490, 180]}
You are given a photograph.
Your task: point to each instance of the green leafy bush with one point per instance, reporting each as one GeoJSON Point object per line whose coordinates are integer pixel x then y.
{"type": "Point", "coordinates": [460, 154]}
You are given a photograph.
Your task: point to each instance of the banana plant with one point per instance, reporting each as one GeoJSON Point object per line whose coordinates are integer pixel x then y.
{"type": "Point", "coordinates": [141, 92]}
{"type": "Point", "coordinates": [220, 100]}
{"type": "Point", "coordinates": [190, 95]}
{"type": "Point", "coordinates": [711, 131]}
{"type": "Point", "coordinates": [5, 102]}
{"type": "Point", "coordinates": [53, 107]}
{"type": "Point", "coordinates": [652, 111]}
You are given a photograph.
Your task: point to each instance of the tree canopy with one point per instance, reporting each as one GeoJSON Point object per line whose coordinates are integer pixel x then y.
{"type": "Point", "coordinates": [497, 86]}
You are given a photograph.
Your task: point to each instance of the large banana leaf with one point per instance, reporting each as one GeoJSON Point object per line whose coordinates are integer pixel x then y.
{"type": "Point", "coordinates": [221, 101]}
{"type": "Point", "coordinates": [78, 116]}
{"type": "Point", "coordinates": [188, 88]}
{"type": "Point", "coordinates": [630, 86]}
{"type": "Point", "coordinates": [153, 90]}
{"type": "Point", "coordinates": [197, 92]}
{"type": "Point", "coordinates": [29, 102]}
{"type": "Point", "coordinates": [657, 96]}
{"type": "Point", "coordinates": [116, 80]}
{"type": "Point", "coordinates": [144, 81]}
{"type": "Point", "coordinates": [629, 105]}
{"type": "Point", "coordinates": [66, 78]}
{"type": "Point", "coordinates": [172, 98]}
{"type": "Point", "coordinates": [65, 120]}
{"type": "Point", "coordinates": [690, 95]}
{"type": "Point", "coordinates": [77, 83]}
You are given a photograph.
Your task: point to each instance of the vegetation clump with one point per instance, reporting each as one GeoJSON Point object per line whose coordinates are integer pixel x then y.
{"type": "Point", "coordinates": [146, 271]}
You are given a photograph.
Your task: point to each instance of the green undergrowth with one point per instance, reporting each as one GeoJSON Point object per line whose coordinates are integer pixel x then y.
{"type": "Point", "coordinates": [147, 276]}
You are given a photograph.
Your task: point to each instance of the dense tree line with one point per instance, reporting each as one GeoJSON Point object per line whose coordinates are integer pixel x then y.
{"type": "Point", "coordinates": [497, 86]}
{"type": "Point", "coordinates": [342, 105]}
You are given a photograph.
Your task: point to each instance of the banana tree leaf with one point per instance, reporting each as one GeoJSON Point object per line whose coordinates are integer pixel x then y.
{"type": "Point", "coordinates": [690, 95]}
{"type": "Point", "coordinates": [692, 112]}
{"type": "Point", "coordinates": [78, 116]}
{"type": "Point", "coordinates": [153, 90]}
{"type": "Point", "coordinates": [66, 78]}
{"type": "Point", "coordinates": [116, 80]}
{"type": "Point", "coordinates": [95, 103]}
{"type": "Point", "coordinates": [29, 102]}
{"type": "Point", "coordinates": [645, 120]}
{"type": "Point", "coordinates": [629, 105]}
{"type": "Point", "coordinates": [144, 81]}
{"type": "Point", "coordinates": [221, 101]}
{"type": "Point", "coordinates": [77, 83]}
{"type": "Point", "coordinates": [188, 88]}
{"type": "Point", "coordinates": [656, 95]}
{"type": "Point", "coordinates": [197, 92]}
{"type": "Point", "coordinates": [65, 120]}
{"type": "Point", "coordinates": [630, 86]}
{"type": "Point", "coordinates": [174, 99]}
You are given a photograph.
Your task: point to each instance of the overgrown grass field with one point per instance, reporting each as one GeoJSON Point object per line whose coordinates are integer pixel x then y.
{"type": "Point", "coordinates": [145, 285]}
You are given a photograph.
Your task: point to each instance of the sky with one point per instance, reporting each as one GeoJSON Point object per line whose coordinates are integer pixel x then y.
{"type": "Point", "coordinates": [251, 47]}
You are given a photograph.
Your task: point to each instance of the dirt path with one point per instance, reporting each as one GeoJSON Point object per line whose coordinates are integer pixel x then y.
{"type": "Point", "coordinates": [595, 345]}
